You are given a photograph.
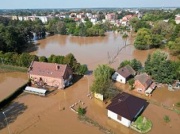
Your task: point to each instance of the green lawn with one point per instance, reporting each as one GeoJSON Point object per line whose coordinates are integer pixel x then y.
{"type": "Point", "coordinates": [10, 68]}
{"type": "Point", "coordinates": [142, 124]}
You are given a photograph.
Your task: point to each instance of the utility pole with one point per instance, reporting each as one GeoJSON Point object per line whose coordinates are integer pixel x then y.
{"type": "Point", "coordinates": [6, 123]}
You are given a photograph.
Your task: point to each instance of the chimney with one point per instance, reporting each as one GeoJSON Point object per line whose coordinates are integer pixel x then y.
{"type": "Point", "coordinates": [57, 67]}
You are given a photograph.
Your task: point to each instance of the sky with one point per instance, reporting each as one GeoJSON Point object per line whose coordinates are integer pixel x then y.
{"type": "Point", "coordinates": [33, 4]}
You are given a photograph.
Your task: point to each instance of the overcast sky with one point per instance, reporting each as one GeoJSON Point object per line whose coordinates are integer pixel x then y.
{"type": "Point", "coordinates": [24, 4]}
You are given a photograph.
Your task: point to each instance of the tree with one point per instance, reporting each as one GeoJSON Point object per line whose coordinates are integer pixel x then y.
{"type": "Point", "coordinates": [81, 69]}
{"type": "Point", "coordinates": [103, 72]}
{"type": "Point", "coordinates": [88, 24]}
{"type": "Point", "coordinates": [82, 29]}
{"type": "Point", "coordinates": [124, 63]}
{"type": "Point", "coordinates": [157, 40]}
{"type": "Point", "coordinates": [61, 28]}
{"type": "Point", "coordinates": [131, 82]}
{"type": "Point", "coordinates": [143, 39]}
{"type": "Point", "coordinates": [148, 65]}
{"type": "Point", "coordinates": [141, 24]}
{"type": "Point", "coordinates": [25, 59]}
{"type": "Point", "coordinates": [43, 59]}
{"type": "Point", "coordinates": [174, 46]}
{"type": "Point", "coordinates": [125, 36]}
{"type": "Point", "coordinates": [70, 60]}
{"type": "Point", "coordinates": [135, 64]}
{"type": "Point", "coordinates": [102, 83]}
{"type": "Point", "coordinates": [163, 28]}
{"type": "Point", "coordinates": [160, 68]}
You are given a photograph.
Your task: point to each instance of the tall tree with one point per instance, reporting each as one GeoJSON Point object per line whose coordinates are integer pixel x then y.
{"type": "Point", "coordinates": [143, 39]}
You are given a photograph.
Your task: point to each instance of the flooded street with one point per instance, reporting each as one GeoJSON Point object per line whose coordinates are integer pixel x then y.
{"type": "Point", "coordinates": [10, 81]}
{"type": "Point", "coordinates": [29, 114]}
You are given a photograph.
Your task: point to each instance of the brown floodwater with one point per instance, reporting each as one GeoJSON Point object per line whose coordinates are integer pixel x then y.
{"type": "Point", "coordinates": [91, 50]}
{"type": "Point", "coordinates": [35, 114]}
{"type": "Point", "coordinates": [10, 81]}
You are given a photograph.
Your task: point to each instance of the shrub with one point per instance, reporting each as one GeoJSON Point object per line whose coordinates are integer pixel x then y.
{"type": "Point", "coordinates": [166, 119]}
{"type": "Point", "coordinates": [177, 104]}
{"type": "Point", "coordinates": [81, 111]}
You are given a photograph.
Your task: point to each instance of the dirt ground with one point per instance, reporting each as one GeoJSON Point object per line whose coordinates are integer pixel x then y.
{"type": "Point", "coordinates": [30, 114]}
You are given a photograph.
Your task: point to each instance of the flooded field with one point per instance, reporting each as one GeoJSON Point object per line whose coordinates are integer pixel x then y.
{"type": "Point", "coordinates": [91, 50]}
{"type": "Point", "coordinates": [30, 114]}
{"type": "Point", "coordinates": [9, 82]}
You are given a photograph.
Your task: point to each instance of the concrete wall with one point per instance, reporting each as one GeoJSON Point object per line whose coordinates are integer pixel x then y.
{"type": "Point", "coordinates": [123, 120]}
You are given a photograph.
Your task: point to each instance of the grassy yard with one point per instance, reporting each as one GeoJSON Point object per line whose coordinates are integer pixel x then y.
{"type": "Point", "coordinates": [10, 68]}
{"type": "Point", "coordinates": [142, 125]}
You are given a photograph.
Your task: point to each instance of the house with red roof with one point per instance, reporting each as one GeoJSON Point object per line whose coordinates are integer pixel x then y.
{"type": "Point", "coordinates": [124, 74]}
{"type": "Point", "coordinates": [125, 108]}
{"type": "Point", "coordinates": [144, 84]}
{"type": "Point", "coordinates": [51, 74]}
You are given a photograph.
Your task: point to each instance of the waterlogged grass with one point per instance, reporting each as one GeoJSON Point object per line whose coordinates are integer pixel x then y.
{"type": "Point", "coordinates": [177, 104]}
{"type": "Point", "coordinates": [10, 68]}
{"type": "Point", "coordinates": [142, 124]}
{"type": "Point", "coordinates": [94, 123]}
{"type": "Point", "coordinates": [166, 119]}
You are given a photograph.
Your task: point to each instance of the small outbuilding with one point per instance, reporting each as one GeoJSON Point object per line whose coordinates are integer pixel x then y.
{"type": "Point", "coordinates": [125, 108]}
{"type": "Point", "coordinates": [33, 90]}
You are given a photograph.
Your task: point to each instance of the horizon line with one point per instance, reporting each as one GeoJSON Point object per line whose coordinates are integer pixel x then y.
{"type": "Point", "coordinates": [89, 7]}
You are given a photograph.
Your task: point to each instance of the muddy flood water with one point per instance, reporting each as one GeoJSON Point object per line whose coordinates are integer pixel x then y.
{"type": "Point", "coordinates": [91, 50]}
{"type": "Point", "coordinates": [10, 81]}
{"type": "Point", "coordinates": [31, 114]}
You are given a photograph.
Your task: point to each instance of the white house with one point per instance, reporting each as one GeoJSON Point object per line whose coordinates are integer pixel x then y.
{"type": "Point", "coordinates": [177, 19]}
{"type": "Point", "coordinates": [125, 108]}
{"type": "Point", "coordinates": [93, 20]}
{"type": "Point", "coordinates": [123, 74]}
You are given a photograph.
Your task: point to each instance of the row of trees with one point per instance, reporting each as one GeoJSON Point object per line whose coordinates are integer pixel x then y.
{"type": "Point", "coordinates": [69, 26]}
{"type": "Point", "coordinates": [155, 15]}
{"type": "Point", "coordinates": [25, 59]}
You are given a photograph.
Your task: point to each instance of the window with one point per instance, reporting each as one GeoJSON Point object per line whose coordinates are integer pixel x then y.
{"type": "Point", "coordinates": [119, 117]}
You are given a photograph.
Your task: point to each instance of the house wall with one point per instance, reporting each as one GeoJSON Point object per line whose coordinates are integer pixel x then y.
{"type": "Point", "coordinates": [123, 120]}
{"type": "Point", "coordinates": [120, 79]}
{"type": "Point", "coordinates": [55, 82]}
{"type": "Point", "coordinates": [177, 21]}
{"type": "Point", "coordinates": [139, 87]}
